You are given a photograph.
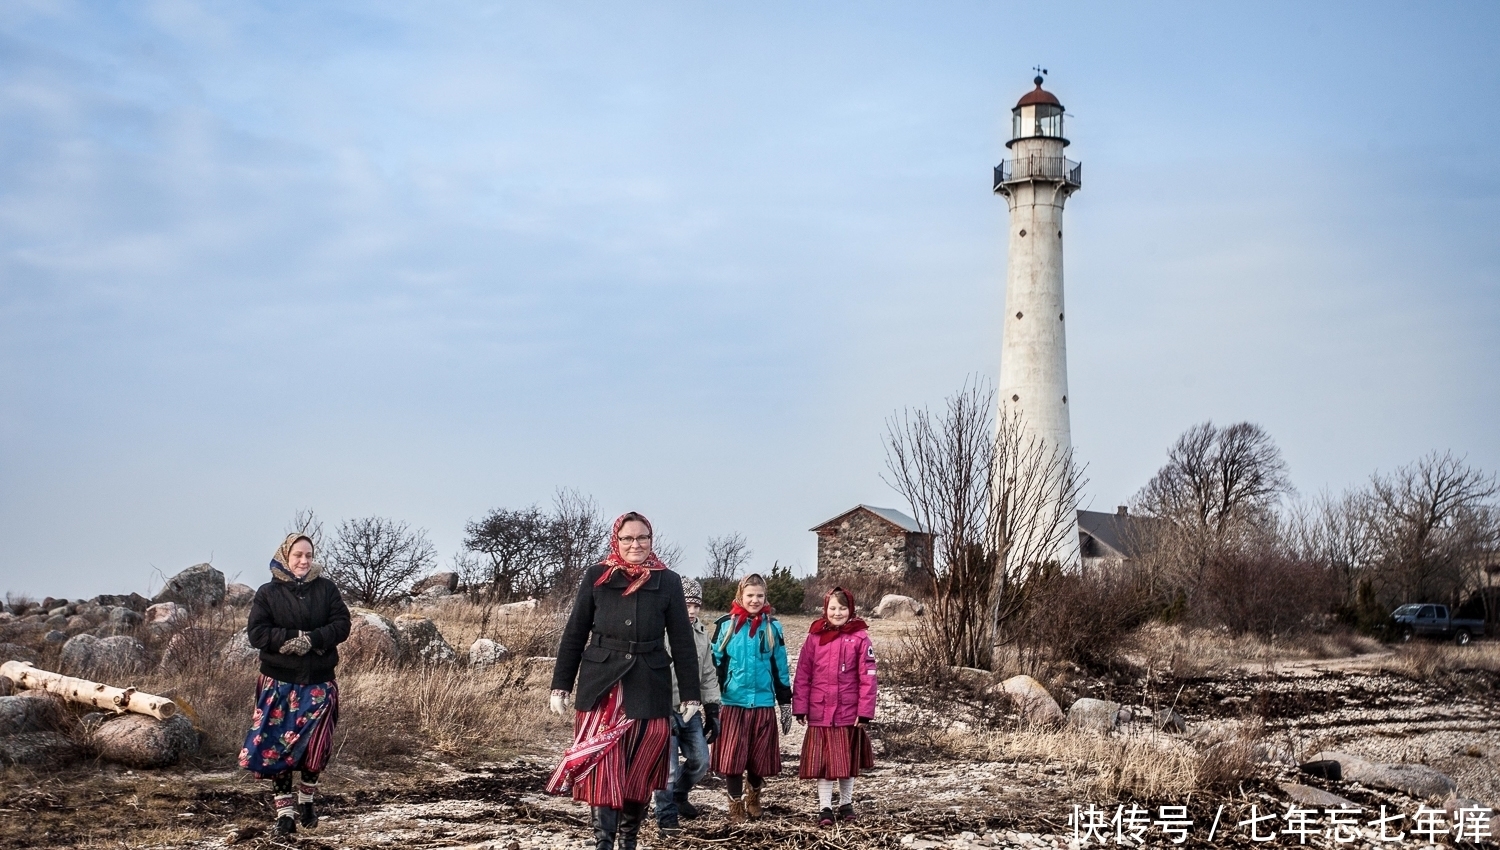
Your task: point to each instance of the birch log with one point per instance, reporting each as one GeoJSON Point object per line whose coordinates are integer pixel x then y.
{"type": "Point", "coordinates": [83, 691]}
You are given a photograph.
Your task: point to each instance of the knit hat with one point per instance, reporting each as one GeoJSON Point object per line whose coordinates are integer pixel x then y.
{"type": "Point", "coordinates": [692, 590]}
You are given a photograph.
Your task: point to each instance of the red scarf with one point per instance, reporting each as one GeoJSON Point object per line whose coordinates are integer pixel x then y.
{"type": "Point", "coordinates": [638, 574]}
{"type": "Point", "coordinates": [827, 631]}
{"type": "Point", "coordinates": [740, 616]}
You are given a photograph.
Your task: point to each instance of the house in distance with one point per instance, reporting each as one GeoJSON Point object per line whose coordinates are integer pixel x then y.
{"type": "Point", "coordinates": [873, 542]}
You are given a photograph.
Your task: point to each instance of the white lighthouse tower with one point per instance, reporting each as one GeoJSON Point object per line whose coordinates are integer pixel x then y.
{"type": "Point", "coordinates": [1036, 182]}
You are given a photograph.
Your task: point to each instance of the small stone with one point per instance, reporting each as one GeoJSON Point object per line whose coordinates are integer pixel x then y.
{"type": "Point", "coordinates": [55, 636]}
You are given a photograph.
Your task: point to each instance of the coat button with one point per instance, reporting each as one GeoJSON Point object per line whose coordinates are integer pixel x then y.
{"type": "Point", "coordinates": [627, 622]}
{"type": "Point", "coordinates": [627, 655]}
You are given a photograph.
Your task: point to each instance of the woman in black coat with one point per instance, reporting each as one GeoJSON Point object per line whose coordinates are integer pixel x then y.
{"type": "Point", "coordinates": [613, 647]}
{"type": "Point", "coordinates": [297, 621]}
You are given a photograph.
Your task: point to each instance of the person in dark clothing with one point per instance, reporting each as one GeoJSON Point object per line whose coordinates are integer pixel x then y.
{"type": "Point", "coordinates": [613, 647]}
{"type": "Point", "coordinates": [297, 621]}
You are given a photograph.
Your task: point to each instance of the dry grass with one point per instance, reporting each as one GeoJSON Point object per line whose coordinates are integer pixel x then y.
{"type": "Point", "coordinates": [1186, 652]}
{"type": "Point", "coordinates": [1425, 659]}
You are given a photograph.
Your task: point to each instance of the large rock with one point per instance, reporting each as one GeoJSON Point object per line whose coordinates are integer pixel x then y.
{"type": "Point", "coordinates": [1037, 707]}
{"type": "Point", "coordinates": [1478, 820]}
{"type": "Point", "coordinates": [1413, 780]}
{"type": "Point", "coordinates": [140, 741]}
{"type": "Point", "coordinates": [1315, 797]}
{"type": "Point", "coordinates": [166, 615]}
{"type": "Point", "coordinates": [38, 749]}
{"type": "Point", "coordinates": [447, 581]}
{"type": "Point", "coordinates": [125, 617]}
{"type": "Point", "coordinates": [484, 652]}
{"type": "Point", "coordinates": [517, 609]}
{"type": "Point", "coordinates": [134, 601]}
{"type": "Point", "coordinates": [198, 586]}
{"type": "Point", "coordinates": [1095, 715]}
{"type": "Point", "coordinates": [421, 641]}
{"type": "Point", "coordinates": [894, 606]}
{"type": "Point", "coordinates": [237, 650]}
{"type": "Point", "coordinates": [372, 637]}
{"type": "Point", "coordinates": [1168, 720]}
{"type": "Point", "coordinates": [91, 657]}
{"type": "Point", "coordinates": [31, 711]}
{"type": "Point", "coordinates": [239, 594]}
{"type": "Point", "coordinates": [15, 652]}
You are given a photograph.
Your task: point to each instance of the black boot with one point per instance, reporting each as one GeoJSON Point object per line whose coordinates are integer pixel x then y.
{"type": "Point", "coordinates": [685, 810]}
{"type": "Point", "coordinates": [285, 824]}
{"type": "Point", "coordinates": [630, 824]}
{"type": "Point", "coordinates": [606, 821]}
{"type": "Point", "coordinates": [307, 817]}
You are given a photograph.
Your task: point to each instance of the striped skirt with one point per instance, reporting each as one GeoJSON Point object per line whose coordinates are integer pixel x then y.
{"type": "Point", "coordinates": [614, 759]}
{"type": "Point", "coordinates": [747, 740]}
{"type": "Point", "coordinates": [835, 752]}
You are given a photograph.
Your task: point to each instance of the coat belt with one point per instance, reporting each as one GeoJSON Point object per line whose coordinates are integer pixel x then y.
{"type": "Point", "coordinates": [617, 645]}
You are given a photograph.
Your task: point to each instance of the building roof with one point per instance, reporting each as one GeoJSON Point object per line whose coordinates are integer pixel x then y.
{"type": "Point", "coordinates": [1037, 95]}
{"type": "Point", "coordinates": [1117, 531]}
{"type": "Point", "coordinates": [890, 515]}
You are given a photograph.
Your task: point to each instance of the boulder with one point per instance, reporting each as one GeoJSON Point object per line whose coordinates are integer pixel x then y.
{"type": "Point", "coordinates": [140, 741]}
{"type": "Point", "coordinates": [55, 621]}
{"type": "Point", "coordinates": [134, 601]}
{"type": "Point", "coordinates": [1478, 820]}
{"type": "Point", "coordinates": [59, 611]}
{"type": "Point", "coordinates": [1037, 707]}
{"type": "Point", "coordinates": [31, 711]}
{"type": "Point", "coordinates": [55, 636]}
{"type": "Point", "coordinates": [238, 594]}
{"type": "Point", "coordinates": [1169, 720]}
{"type": "Point", "coordinates": [126, 617]}
{"type": "Point", "coordinates": [894, 606]}
{"type": "Point", "coordinates": [1095, 715]}
{"type": "Point", "coordinates": [78, 624]}
{"type": "Point", "coordinates": [484, 652]}
{"type": "Point", "coordinates": [447, 581]}
{"type": "Point", "coordinates": [421, 641]}
{"type": "Point", "coordinates": [237, 650]}
{"type": "Point", "coordinates": [198, 586]}
{"type": "Point", "coordinates": [1307, 795]}
{"type": "Point", "coordinates": [371, 638]}
{"type": "Point", "coordinates": [89, 656]}
{"type": "Point", "coordinates": [1414, 780]}
{"type": "Point", "coordinates": [14, 652]}
{"type": "Point", "coordinates": [192, 647]}
{"type": "Point", "coordinates": [436, 591]}
{"type": "Point", "coordinates": [166, 615]}
{"type": "Point", "coordinates": [38, 749]}
{"type": "Point", "coordinates": [516, 609]}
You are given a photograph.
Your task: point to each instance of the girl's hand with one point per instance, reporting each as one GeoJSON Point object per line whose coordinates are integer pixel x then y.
{"type": "Point", "coordinates": [801, 720]}
{"type": "Point", "coordinates": [786, 719]}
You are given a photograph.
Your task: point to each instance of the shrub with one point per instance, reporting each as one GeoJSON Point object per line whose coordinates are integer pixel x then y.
{"type": "Point", "coordinates": [784, 591]}
{"type": "Point", "coordinates": [867, 590]}
{"type": "Point", "coordinates": [718, 593]}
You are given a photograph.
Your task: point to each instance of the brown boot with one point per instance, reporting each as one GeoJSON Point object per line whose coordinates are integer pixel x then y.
{"type": "Point", "coordinates": [736, 810]}
{"type": "Point", "coordinates": [752, 801]}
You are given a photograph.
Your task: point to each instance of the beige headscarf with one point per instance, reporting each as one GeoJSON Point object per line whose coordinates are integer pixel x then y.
{"type": "Point", "coordinates": [279, 569]}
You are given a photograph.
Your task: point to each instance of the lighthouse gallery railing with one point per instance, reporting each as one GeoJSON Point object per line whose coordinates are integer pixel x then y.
{"type": "Point", "coordinates": [1051, 168]}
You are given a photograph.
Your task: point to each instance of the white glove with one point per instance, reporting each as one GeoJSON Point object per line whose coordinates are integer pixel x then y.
{"type": "Point", "coordinates": [559, 703]}
{"type": "Point", "coordinates": [690, 710]}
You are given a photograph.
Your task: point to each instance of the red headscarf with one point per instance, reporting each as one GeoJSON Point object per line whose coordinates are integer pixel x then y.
{"type": "Point", "coordinates": [616, 563]}
{"type": "Point", "coordinates": [827, 631]}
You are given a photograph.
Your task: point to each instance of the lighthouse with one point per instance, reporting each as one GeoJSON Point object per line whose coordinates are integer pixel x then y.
{"type": "Point", "coordinates": [1036, 182]}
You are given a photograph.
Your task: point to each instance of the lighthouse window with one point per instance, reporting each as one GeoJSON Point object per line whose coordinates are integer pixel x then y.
{"type": "Point", "coordinates": [1018, 314]}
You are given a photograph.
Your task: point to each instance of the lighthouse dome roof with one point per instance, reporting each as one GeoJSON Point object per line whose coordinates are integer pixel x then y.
{"type": "Point", "coordinates": [1038, 95]}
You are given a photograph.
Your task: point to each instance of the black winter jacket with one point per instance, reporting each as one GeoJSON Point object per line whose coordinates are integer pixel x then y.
{"type": "Point", "coordinates": [615, 638]}
{"type": "Point", "coordinates": [281, 609]}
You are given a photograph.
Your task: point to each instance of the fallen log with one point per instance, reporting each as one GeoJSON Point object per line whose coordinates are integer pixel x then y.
{"type": "Point", "coordinates": [96, 694]}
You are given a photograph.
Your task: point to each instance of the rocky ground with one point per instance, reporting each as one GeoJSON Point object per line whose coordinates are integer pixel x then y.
{"type": "Point", "coordinates": [925, 793]}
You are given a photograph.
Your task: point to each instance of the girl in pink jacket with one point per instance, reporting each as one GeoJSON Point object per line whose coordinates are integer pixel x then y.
{"type": "Point", "coordinates": [834, 696]}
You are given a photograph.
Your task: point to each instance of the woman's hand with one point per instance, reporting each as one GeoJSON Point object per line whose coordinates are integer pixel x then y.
{"type": "Point", "coordinates": [559, 703]}
{"type": "Point", "coordinates": [298, 645]}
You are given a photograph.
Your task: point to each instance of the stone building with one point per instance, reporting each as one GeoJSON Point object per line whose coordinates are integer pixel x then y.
{"type": "Point", "coordinates": [870, 541]}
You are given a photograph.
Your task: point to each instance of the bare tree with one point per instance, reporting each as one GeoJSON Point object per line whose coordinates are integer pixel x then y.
{"type": "Point", "coordinates": [667, 551]}
{"type": "Point", "coordinates": [374, 559]}
{"type": "Point", "coordinates": [580, 536]}
{"type": "Point", "coordinates": [726, 554]}
{"type": "Point", "coordinates": [519, 549]}
{"type": "Point", "coordinates": [1217, 493]}
{"type": "Point", "coordinates": [1000, 502]}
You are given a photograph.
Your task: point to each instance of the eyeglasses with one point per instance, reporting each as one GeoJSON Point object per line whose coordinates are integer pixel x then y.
{"type": "Point", "coordinates": [631, 541]}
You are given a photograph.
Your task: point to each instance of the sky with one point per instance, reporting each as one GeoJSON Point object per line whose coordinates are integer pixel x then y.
{"type": "Point", "coordinates": [421, 261]}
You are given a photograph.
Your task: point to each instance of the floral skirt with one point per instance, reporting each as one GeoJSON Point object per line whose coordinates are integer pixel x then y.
{"type": "Point", "coordinates": [835, 752]}
{"type": "Point", "coordinates": [292, 728]}
{"type": "Point", "coordinates": [614, 759]}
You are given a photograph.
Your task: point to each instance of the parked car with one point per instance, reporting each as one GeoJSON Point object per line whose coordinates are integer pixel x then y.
{"type": "Point", "coordinates": [1429, 620]}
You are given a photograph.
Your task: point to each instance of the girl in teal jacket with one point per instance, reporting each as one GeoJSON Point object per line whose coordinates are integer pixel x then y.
{"type": "Point", "coordinates": [750, 656]}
